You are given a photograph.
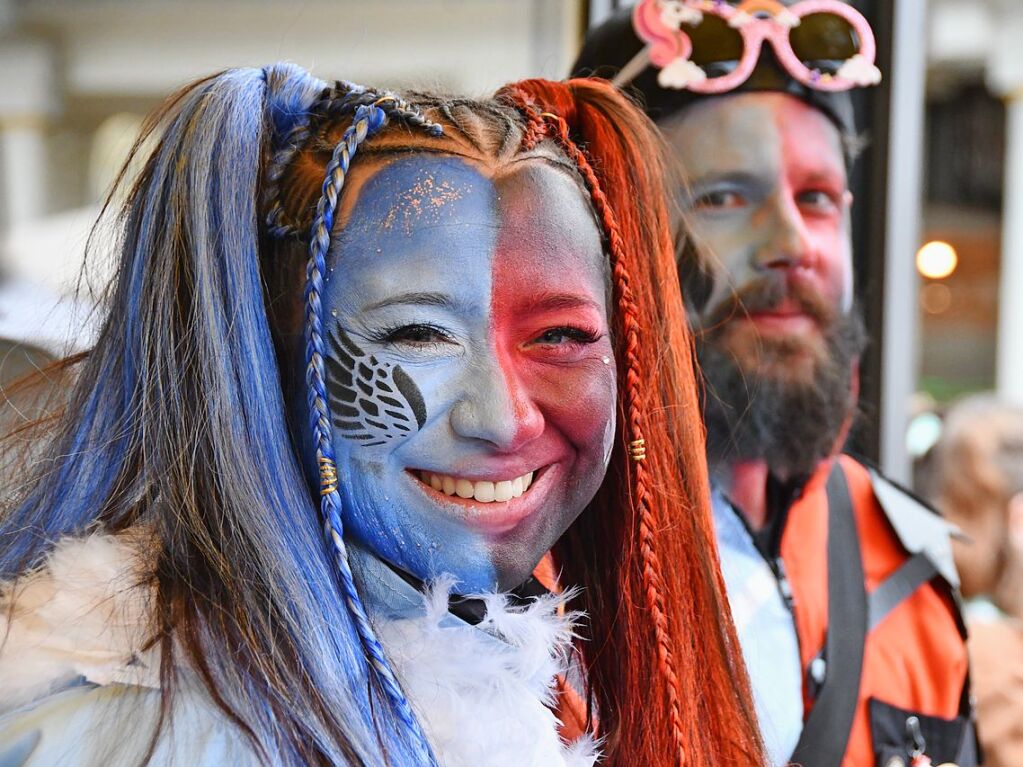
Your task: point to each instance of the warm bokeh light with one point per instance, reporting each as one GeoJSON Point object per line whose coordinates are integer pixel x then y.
{"type": "Point", "coordinates": [936, 260]}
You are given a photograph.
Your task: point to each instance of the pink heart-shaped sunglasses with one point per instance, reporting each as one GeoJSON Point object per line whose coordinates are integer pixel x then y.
{"type": "Point", "coordinates": [711, 46]}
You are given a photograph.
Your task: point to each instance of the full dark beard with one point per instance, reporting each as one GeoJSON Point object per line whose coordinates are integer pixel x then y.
{"type": "Point", "coordinates": [791, 425]}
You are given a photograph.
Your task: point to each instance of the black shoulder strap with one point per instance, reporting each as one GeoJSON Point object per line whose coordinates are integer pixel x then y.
{"type": "Point", "coordinates": [826, 731]}
{"type": "Point", "coordinates": [911, 575]}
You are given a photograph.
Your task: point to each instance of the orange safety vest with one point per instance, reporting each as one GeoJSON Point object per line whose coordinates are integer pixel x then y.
{"type": "Point", "coordinates": [915, 658]}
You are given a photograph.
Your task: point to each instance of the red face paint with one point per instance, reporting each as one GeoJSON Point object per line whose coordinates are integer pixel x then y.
{"type": "Point", "coordinates": [549, 331]}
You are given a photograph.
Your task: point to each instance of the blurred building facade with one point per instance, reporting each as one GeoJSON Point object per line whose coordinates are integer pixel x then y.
{"type": "Point", "coordinates": [972, 319]}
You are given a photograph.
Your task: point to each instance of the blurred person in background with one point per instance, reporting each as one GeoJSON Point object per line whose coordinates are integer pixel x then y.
{"type": "Point", "coordinates": [841, 585]}
{"type": "Point", "coordinates": [363, 366]}
{"type": "Point", "coordinates": [974, 475]}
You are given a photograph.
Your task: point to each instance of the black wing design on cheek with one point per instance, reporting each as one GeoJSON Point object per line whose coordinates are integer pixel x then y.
{"type": "Point", "coordinates": [371, 402]}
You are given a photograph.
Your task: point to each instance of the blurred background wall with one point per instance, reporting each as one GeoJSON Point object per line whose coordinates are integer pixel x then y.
{"type": "Point", "coordinates": [946, 132]}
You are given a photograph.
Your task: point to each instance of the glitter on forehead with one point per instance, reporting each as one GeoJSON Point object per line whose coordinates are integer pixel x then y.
{"type": "Point", "coordinates": [422, 202]}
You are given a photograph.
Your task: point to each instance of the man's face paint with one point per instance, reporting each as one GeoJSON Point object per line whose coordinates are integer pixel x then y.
{"type": "Point", "coordinates": [469, 367]}
{"type": "Point", "coordinates": [769, 204]}
{"type": "Point", "coordinates": [777, 336]}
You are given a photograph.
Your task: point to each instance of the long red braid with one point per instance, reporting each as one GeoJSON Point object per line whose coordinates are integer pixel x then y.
{"type": "Point", "coordinates": [652, 581]}
{"type": "Point", "coordinates": [677, 693]}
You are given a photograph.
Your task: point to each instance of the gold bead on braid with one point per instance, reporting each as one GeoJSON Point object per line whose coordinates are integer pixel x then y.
{"type": "Point", "coordinates": [637, 450]}
{"type": "Point", "coordinates": [328, 476]}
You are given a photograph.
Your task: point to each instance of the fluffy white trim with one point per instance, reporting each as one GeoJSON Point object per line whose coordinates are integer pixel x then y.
{"type": "Point", "coordinates": [86, 613]}
{"type": "Point", "coordinates": [482, 692]}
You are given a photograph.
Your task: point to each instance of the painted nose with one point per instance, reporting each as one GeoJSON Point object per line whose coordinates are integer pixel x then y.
{"type": "Point", "coordinates": [496, 409]}
{"type": "Point", "coordinates": [784, 244]}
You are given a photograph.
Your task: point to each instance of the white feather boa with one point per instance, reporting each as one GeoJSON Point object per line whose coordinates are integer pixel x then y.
{"type": "Point", "coordinates": [483, 693]}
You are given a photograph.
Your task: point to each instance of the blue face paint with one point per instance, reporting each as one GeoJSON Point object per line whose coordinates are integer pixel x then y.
{"type": "Point", "coordinates": [455, 450]}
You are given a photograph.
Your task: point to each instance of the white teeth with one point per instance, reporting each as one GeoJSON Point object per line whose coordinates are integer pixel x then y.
{"type": "Point", "coordinates": [483, 491]}
{"type": "Point", "coordinates": [502, 491]}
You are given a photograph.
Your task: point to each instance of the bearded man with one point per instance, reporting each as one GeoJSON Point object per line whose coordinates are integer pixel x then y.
{"type": "Point", "coordinates": [841, 585]}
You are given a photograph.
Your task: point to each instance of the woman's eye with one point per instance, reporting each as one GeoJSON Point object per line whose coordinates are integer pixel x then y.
{"type": "Point", "coordinates": [719, 200]}
{"type": "Point", "coordinates": [416, 335]}
{"type": "Point", "coordinates": [559, 336]}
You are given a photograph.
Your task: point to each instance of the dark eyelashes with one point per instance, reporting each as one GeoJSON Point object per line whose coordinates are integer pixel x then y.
{"type": "Point", "coordinates": [417, 333]}
{"type": "Point", "coordinates": [576, 335]}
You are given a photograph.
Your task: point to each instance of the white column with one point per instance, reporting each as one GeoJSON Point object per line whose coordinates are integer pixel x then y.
{"type": "Point", "coordinates": [555, 37]}
{"type": "Point", "coordinates": [23, 168]}
{"type": "Point", "coordinates": [28, 100]}
{"type": "Point", "coordinates": [600, 10]}
{"type": "Point", "coordinates": [899, 359]}
{"type": "Point", "coordinates": [1009, 366]}
{"type": "Point", "coordinates": [1005, 77]}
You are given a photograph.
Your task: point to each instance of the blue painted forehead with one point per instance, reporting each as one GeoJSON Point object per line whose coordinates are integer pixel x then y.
{"type": "Point", "coordinates": [416, 191]}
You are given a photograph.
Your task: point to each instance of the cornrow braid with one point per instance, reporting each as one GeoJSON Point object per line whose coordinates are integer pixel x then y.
{"type": "Point", "coordinates": [345, 97]}
{"type": "Point", "coordinates": [369, 119]}
{"type": "Point", "coordinates": [332, 100]}
{"type": "Point", "coordinates": [284, 150]}
{"type": "Point", "coordinates": [335, 102]}
{"type": "Point", "coordinates": [543, 125]}
{"type": "Point", "coordinates": [536, 126]}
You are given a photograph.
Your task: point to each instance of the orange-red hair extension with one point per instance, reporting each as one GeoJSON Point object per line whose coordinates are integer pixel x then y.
{"type": "Point", "coordinates": [665, 675]}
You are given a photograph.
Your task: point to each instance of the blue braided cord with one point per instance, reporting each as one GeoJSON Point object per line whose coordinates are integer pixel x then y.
{"type": "Point", "coordinates": [290, 95]}
{"type": "Point", "coordinates": [285, 142]}
{"type": "Point", "coordinates": [368, 120]}
{"type": "Point", "coordinates": [396, 107]}
{"type": "Point", "coordinates": [401, 109]}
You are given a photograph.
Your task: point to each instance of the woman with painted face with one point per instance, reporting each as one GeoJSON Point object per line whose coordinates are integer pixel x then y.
{"type": "Point", "coordinates": [368, 359]}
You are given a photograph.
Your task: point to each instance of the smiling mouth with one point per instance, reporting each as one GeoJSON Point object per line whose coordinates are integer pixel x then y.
{"type": "Point", "coordinates": [482, 491]}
